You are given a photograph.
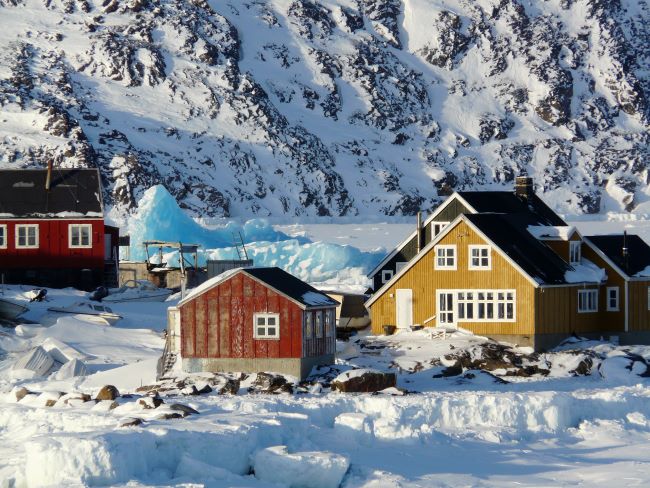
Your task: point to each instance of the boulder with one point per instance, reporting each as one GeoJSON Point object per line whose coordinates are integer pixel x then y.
{"type": "Point", "coordinates": [231, 387]}
{"type": "Point", "coordinates": [269, 383]}
{"type": "Point", "coordinates": [363, 381]}
{"type": "Point", "coordinates": [108, 392]}
{"type": "Point", "coordinates": [130, 422]}
{"type": "Point", "coordinates": [184, 409]}
{"type": "Point", "coordinates": [169, 416]}
{"type": "Point", "coordinates": [149, 403]}
{"type": "Point", "coordinates": [21, 393]}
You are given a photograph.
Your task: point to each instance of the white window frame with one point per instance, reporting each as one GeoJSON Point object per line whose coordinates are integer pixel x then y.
{"type": "Point", "coordinates": [587, 293]}
{"type": "Point", "coordinates": [71, 227]}
{"type": "Point", "coordinates": [266, 316]}
{"type": "Point", "coordinates": [5, 238]}
{"type": "Point", "coordinates": [616, 289]}
{"type": "Point", "coordinates": [386, 275]}
{"type": "Point", "coordinates": [445, 247]}
{"type": "Point", "coordinates": [318, 329]}
{"type": "Point", "coordinates": [400, 265]}
{"type": "Point", "coordinates": [496, 300]}
{"type": "Point", "coordinates": [437, 228]}
{"type": "Point", "coordinates": [309, 325]}
{"type": "Point", "coordinates": [27, 245]}
{"type": "Point", "coordinates": [479, 267]}
{"type": "Point", "coordinates": [330, 318]}
{"type": "Point", "coordinates": [575, 251]}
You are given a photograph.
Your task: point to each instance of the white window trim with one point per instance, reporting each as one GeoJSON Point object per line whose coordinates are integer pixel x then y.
{"type": "Point", "coordinates": [26, 226]}
{"type": "Point", "coordinates": [400, 265]}
{"type": "Point", "coordinates": [386, 275]}
{"type": "Point", "coordinates": [5, 238]}
{"type": "Point", "coordinates": [470, 248]}
{"type": "Point", "coordinates": [587, 292]}
{"type": "Point", "coordinates": [441, 225]}
{"type": "Point", "coordinates": [90, 236]}
{"type": "Point", "coordinates": [435, 257]}
{"type": "Point", "coordinates": [475, 301]}
{"type": "Point", "coordinates": [572, 245]}
{"type": "Point", "coordinates": [266, 315]}
{"type": "Point", "coordinates": [618, 299]}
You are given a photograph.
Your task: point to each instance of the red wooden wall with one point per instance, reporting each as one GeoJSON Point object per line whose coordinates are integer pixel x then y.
{"type": "Point", "coordinates": [53, 250]}
{"type": "Point", "coordinates": [219, 322]}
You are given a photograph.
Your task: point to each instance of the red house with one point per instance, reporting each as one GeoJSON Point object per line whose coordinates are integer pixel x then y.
{"type": "Point", "coordinates": [52, 230]}
{"type": "Point", "coordinates": [251, 320]}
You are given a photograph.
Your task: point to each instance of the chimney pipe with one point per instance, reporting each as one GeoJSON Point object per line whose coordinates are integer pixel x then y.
{"type": "Point", "coordinates": [524, 187]}
{"type": "Point", "coordinates": [419, 233]}
{"type": "Point", "coordinates": [625, 250]}
{"type": "Point", "coordinates": [48, 179]}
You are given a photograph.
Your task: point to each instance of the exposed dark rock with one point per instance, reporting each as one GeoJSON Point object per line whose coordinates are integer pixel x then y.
{"type": "Point", "coordinates": [108, 392]}
{"type": "Point", "coordinates": [131, 422]}
{"type": "Point", "coordinates": [184, 409]}
{"type": "Point", "coordinates": [367, 382]}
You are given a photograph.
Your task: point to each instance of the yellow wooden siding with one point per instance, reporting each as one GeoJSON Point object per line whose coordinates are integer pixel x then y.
{"type": "Point", "coordinates": [639, 316]}
{"type": "Point", "coordinates": [424, 280]}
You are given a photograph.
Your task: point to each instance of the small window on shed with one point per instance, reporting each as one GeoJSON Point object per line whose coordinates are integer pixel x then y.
{"type": "Point", "coordinates": [329, 323]}
{"type": "Point", "coordinates": [79, 235]}
{"type": "Point", "coordinates": [308, 325]}
{"type": "Point", "coordinates": [266, 325]}
{"type": "Point", "coordinates": [27, 236]}
{"type": "Point", "coordinates": [587, 301]}
{"type": "Point", "coordinates": [3, 236]}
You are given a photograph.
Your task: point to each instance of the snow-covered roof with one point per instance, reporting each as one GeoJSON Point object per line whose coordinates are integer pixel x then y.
{"type": "Point", "coordinates": [279, 280]}
{"type": "Point", "coordinates": [551, 232]}
{"type": "Point", "coordinates": [585, 272]}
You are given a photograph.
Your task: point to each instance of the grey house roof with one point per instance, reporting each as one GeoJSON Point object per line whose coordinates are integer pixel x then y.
{"type": "Point", "coordinates": [73, 192]}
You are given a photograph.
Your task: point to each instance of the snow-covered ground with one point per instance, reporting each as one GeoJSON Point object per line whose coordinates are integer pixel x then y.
{"type": "Point", "coordinates": [466, 427]}
{"type": "Point", "coordinates": [465, 412]}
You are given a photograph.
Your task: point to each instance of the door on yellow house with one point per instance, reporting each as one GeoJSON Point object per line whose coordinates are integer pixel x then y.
{"type": "Point", "coordinates": [404, 308]}
{"type": "Point", "coordinates": [446, 306]}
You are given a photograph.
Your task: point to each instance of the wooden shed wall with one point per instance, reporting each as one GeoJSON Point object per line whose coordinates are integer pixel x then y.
{"type": "Point", "coordinates": [424, 280]}
{"type": "Point", "coordinates": [219, 322]}
{"type": "Point", "coordinates": [639, 315]}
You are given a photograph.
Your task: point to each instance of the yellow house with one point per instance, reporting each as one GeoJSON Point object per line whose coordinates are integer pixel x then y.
{"type": "Point", "coordinates": [504, 276]}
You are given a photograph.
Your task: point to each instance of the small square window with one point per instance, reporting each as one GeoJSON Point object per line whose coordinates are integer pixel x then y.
{"type": "Point", "coordinates": [587, 301]}
{"type": "Point", "coordinates": [445, 257]}
{"type": "Point", "coordinates": [480, 258]}
{"type": "Point", "coordinates": [266, 325]}
{"type": "Point", "coordinates": [437, 227]}
{"type": "Point", "coordinates": [386, 275]}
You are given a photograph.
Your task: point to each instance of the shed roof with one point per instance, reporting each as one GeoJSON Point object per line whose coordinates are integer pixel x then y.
{"type": "Point", "coordinates": [638, 255]}
{"type": "Point", "coordinates": [72, 193]}
{"type": "Point", "coordinates": [285, 283]}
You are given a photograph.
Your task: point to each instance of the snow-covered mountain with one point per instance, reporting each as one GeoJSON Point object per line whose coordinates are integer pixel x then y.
{"type": "Point", "coordinates": [336, 107]}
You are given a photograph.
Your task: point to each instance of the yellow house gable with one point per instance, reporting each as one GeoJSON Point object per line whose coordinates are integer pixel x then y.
{"type": "Point", "coordinates": [483, 290]}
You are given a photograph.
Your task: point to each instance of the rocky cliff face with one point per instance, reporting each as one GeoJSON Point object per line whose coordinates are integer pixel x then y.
{"type": "Point", "coordinates": [338, 107]}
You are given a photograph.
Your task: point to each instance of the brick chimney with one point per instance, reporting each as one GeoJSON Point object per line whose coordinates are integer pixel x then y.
{"type": "Point", "coordinates": [524, 187]}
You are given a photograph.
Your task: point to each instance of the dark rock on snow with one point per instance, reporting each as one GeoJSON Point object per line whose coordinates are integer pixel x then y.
{"type": "Point", "coordinates": [369, 381]}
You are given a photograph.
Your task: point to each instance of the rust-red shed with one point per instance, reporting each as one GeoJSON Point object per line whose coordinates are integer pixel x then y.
{"type": "Point", "coordinates": [254, 319]}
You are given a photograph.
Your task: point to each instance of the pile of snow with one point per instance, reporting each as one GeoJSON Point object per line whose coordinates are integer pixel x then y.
{"type": "Point", "coordinates": [551, 232]}
{"type": "Point", "coordinates": [644, 273]}
{"type": "Point", "coordinates": [300, 469]}
{"type": "Point", "coordinates": [585, 272]}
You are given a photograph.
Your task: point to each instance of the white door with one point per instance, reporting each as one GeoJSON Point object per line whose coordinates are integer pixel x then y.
{"type": "Point", "coordinates": [404, 299]}
{"type": "Point", "coordinates": [446, 309]}
{"type": "Point", "coordinates": [174, 328]}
